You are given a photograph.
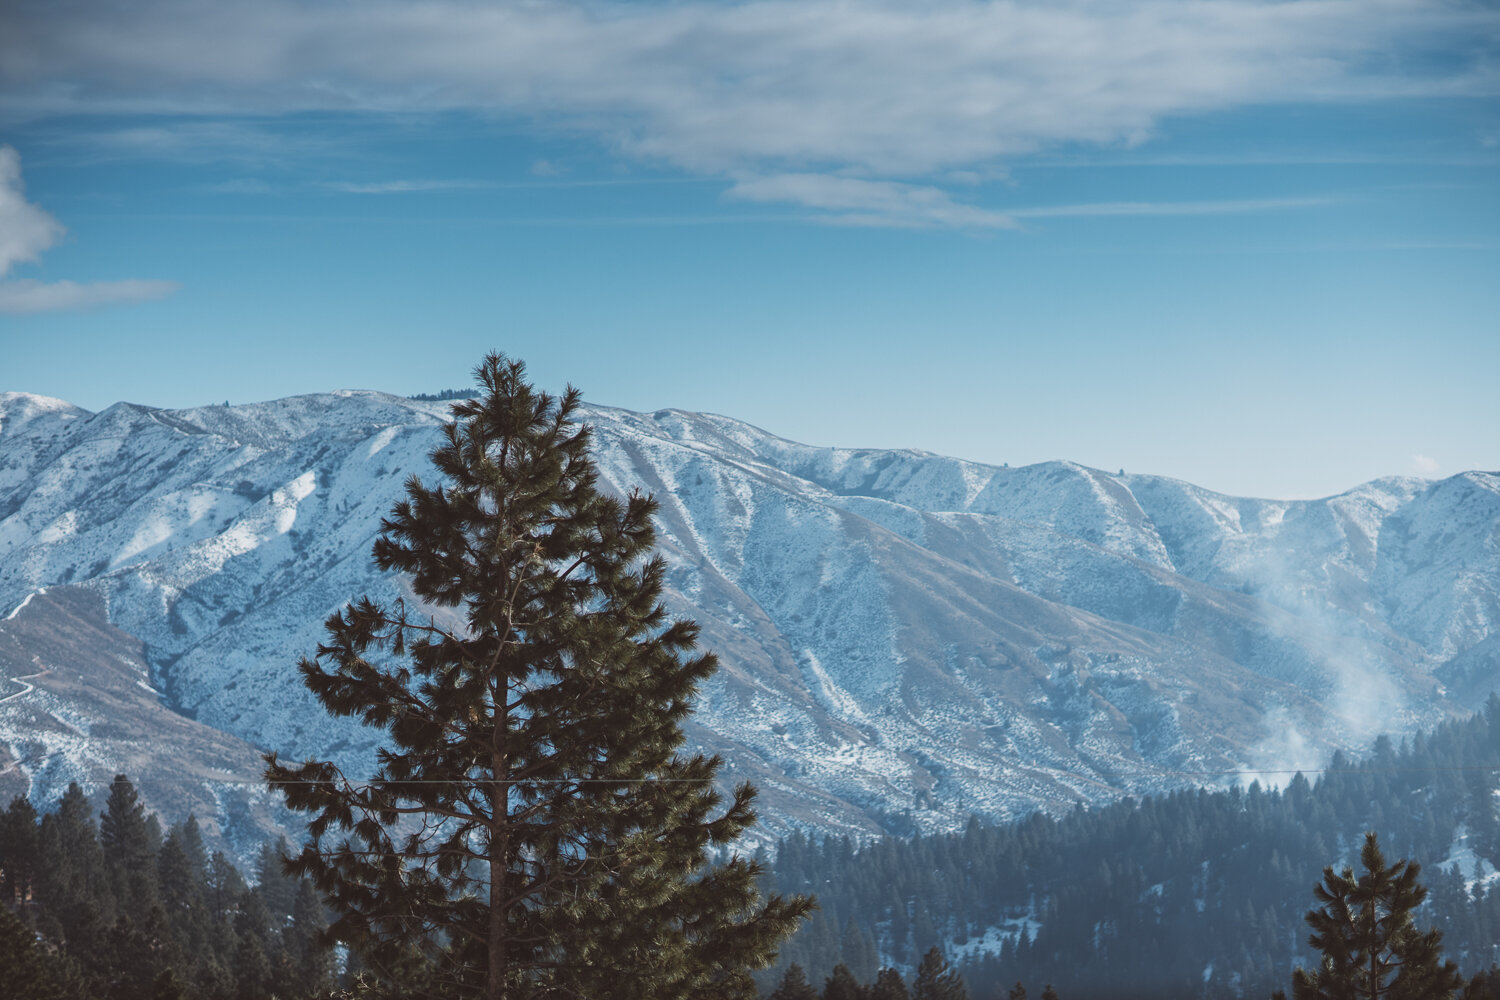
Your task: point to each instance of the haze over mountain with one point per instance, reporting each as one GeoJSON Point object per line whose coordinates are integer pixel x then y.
{"type": "Point", "coordinates": [906, 638]}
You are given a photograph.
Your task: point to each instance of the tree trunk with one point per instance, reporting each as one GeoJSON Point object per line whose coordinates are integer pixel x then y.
{"type": "Point", "coordinates": [499, 864]}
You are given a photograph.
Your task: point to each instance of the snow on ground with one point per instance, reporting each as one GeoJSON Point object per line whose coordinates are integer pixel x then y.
{"type": "Point", "coordinates": [909, 632]}
{"type": "Point", "coordinates": [1476, 871]}
{"type": "Point", "coordinates": [994, 936]}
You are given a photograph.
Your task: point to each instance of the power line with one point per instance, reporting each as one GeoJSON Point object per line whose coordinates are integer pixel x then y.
{"type": "Point", "coordinates": [389, 782]}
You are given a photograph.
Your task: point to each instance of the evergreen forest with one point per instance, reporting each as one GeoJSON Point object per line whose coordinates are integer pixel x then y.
{"type": "Point", "coordinates": [1196, 893]}
{"type": "Point", "coordinates": [110, 907]}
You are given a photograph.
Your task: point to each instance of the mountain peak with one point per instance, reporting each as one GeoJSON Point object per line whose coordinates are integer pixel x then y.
{"type": "Point", "coordinates": [900, 632]}
{"type": "Point", "coordinates": [19, 408]}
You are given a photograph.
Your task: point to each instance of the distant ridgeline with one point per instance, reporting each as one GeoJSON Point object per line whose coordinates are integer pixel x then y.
{"type": "Point", "coordinates": [1191, 894]}
{"type": "Point", "coordinates": [438, 397]}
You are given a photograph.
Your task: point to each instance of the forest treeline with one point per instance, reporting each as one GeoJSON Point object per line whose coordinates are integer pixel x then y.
{"type": "Point", "coordinates": [1195, 893]}
{"type": "Point", "coordinates": [112, 907]}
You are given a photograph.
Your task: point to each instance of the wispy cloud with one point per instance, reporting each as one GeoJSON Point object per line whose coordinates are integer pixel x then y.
{"type": "Point", "coordinates": [254, 144]}
{"type": "Point", "coordinates": [27, 295]}
{"type": "Point", "coordinates": [858, 202]}
{"type": "Point", "coordinates": [26, 231]}
{"type": "Point", "coordinates": [1424, 466]}
{"type": "Point", "coordinates": [241, 185]}
{"type": "Point", "coordinates": [1137, 208]}
{"type": "Point", "coordinates": [866, 90]}
{"type": "Point", "coordinates": [405, 187]}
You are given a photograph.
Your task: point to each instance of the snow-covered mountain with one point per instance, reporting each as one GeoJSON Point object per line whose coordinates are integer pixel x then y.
{"type": "Point", "coordinates": [77, 702]}
{"type": "Point", "coordinates": [906, 638]}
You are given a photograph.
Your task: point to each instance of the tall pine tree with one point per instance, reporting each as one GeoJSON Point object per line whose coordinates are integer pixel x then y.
{"type": "Point", "coordinates": [531, 830]}
{"type": "Point", "coordinates": [937, 980]}
{"type": "Point", "coordinates": [841, 985]}
{"type": "Point", "coordinates": [125, 836]}
{"type": "Point", "coordinates": [1371, 950]}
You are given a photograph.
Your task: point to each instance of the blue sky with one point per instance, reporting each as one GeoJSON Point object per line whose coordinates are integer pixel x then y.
{"type": "Point", "coordinates": [1252, 245]}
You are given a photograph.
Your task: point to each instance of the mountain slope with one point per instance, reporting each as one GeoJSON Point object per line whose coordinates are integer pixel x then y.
{"type": "Point", "coordinates": [901, 633]}
{"type": "Point", "coordinates": [76, 706]}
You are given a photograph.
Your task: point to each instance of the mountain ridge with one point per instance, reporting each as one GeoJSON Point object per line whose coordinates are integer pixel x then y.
{"type": "Point", "coordinates": [907, 638]}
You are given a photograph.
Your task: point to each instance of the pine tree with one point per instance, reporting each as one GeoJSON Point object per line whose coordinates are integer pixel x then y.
{"type": "Point", "coordinates": [794, 986]}
{"type": "Point", "coordinates": [1370, 948]}
{"type": "Point", "coordinates": [129, 854]}
{"type": "Point", "coordinates": [531, 829]}
{"type": "Point", "coordinates": [27, 973]}
{"type": "Point", "coordinates": [72, 878]}
{"type": "Point", "coordinates": [936, 980]}
{"type": "Point", "coordinates": [859, 952]}
{"type": "Point", "coordinates": [841, 985]}
{"type": "Point", "coordinates": [273, 886]}
{"type": "Point", "coordinates": [20, 851]}
{"type": "Point", "coordinates": [311, 964]}
{"type": "Point", "coordinates": [182, 895]}
{"type": "Point", "coordinates": [140, 951]}
{"type": "Point", "coordinates": [889, 986]}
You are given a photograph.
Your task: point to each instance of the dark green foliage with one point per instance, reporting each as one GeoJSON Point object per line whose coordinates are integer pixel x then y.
{"type": "Point", "coordinates": [531, 829]}
{"type": "Point", "coordinates": [841, 984]}
{"type": "Point", "coordinates": [1048, 993]}
{"type": "Point", "coordinates": [1195, 893]}
{"type": "Point", "coordinates": [125, 837]}
{"type": "Point", "coordinates": [309, 963]}
{"type": "Point", "coordinates": [166, 986]}
{"type": "Point", "coordinates": [889, 986]}
{"type": "Point", "coordinates": [1369, 945]}
{"type": "Point", "coordinates": [1016, 992]}
{"type": "Point", "coordinates": [276, 888]}
{"type": "Point", "coordinates": [936, 980]}
{"type": "Point", "coordinates": [1484, 986]}
{"type": "Point", "coordinates": [20, 846]}
{"type": "Point", "coordinates": [858, 950]}
{"type": "Point", "coordinates": [25, 972]}
{"type": "Point", "coordinates": [70, 878]}
{"type": "Point", "coordinates": [191, 927]}
{"type": "Point", "coordinates": [794, 986]}
{"type": "Point", "coordinates": [182, 875]}
{"type": "Point", "coordinates": [140, 949]}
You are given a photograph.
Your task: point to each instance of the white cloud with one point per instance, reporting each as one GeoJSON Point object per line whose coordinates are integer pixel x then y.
{"type": "Point", "coordinates": [26, 231]}
{"type": "Point", "coordinates": [27, 295]}
{"type": "Point", "coordinates": [871, 84]}
{"type": "Point", "coordinates": [859, 89]}
{"type": "Point", "coordinates": [1424, 466]}
{"type": "Point", "coordinates": [853, 201]}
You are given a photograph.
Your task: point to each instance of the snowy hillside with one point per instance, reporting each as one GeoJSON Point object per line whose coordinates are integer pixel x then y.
{"type": "Point", "coordinates": [906, 638]}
